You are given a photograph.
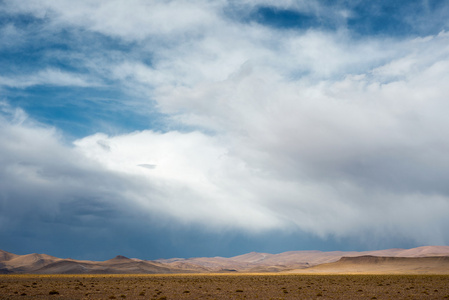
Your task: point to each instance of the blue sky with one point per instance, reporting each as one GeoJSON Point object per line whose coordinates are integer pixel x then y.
{"type": "Point", "coordinates": [159, 129]}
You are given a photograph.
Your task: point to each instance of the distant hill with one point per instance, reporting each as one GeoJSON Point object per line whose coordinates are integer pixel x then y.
{"type": "Point", "coordinates": [421, 260]}
{"type": "Point", "coordinates": [382, 265]}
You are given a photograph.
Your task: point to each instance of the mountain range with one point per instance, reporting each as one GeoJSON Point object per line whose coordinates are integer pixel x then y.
{"type": "Point", "coordinates": [421, 260]}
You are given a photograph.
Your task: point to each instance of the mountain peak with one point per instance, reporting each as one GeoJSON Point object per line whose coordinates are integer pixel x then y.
{"type": "Point", "coordinates": [120, 257]}
{"type": "Point", "coordinates": [5, 256]}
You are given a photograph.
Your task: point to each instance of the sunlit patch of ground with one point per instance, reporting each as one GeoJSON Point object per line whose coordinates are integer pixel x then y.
{"type": "Point", "coordinates": [224, 286]}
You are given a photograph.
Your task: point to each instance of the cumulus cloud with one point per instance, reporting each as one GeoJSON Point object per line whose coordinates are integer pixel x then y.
{"type": "Point", "coordinates": [319, 131]}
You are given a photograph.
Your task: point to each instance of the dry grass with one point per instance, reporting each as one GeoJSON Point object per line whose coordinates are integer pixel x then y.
{"type": "Point", "coordinates": [224, 286]}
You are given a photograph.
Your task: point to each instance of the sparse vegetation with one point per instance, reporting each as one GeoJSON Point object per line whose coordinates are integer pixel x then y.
{"type": "Point", "coordinates": [53, 292]}
{"type": "Point", "coordinates": [224, 286]}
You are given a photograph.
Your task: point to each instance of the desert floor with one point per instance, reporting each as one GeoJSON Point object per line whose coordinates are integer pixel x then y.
{"type": "Point", "coordinates": [224, 286]}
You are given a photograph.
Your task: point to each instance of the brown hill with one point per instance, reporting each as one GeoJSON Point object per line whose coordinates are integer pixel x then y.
{"type": "Point", "coordinates": [28, 263]}
{"type": "Point", "coordinates": [113, 266]}
{"type": "Point", "coordinates": [5, 256]}
{"type": "Point", "coordinates": [298, 261]}
{"type": "Point", "coordinates": [265, 262]}
{"type": "Point", "coordinates": [424, 251]}
{"type": "Point", "coordinates": [382, 265]}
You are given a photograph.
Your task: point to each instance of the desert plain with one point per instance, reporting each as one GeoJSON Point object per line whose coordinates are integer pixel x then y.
{"type": "Point", "coordinates": [418, 273]}
{"type": "Point", "coordinates": [224, 286]}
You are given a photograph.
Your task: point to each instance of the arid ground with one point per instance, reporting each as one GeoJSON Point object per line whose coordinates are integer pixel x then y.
{"type": "Point", "coordinates": [224, 286]}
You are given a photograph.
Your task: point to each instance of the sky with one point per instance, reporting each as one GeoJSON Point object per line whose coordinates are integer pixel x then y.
{"type": "Point", "coordinates": [159, 129]}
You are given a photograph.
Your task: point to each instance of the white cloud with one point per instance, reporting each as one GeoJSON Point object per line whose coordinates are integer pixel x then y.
{"type": "Point", "coordinates": [306, 130]}
{"type": "Point", "coordinates": [130, 20]}
{"type": "Point", "coordinates": [53, 77]}
{"type": "Point", "coordinates": [198, 180]}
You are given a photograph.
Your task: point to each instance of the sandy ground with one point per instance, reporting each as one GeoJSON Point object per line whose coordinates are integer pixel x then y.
{"type": "Point", "coordinates": [224, 286]}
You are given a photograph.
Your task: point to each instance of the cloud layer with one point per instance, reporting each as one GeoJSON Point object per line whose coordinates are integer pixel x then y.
{"type": "Point", "coordinates": [317, 129]}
